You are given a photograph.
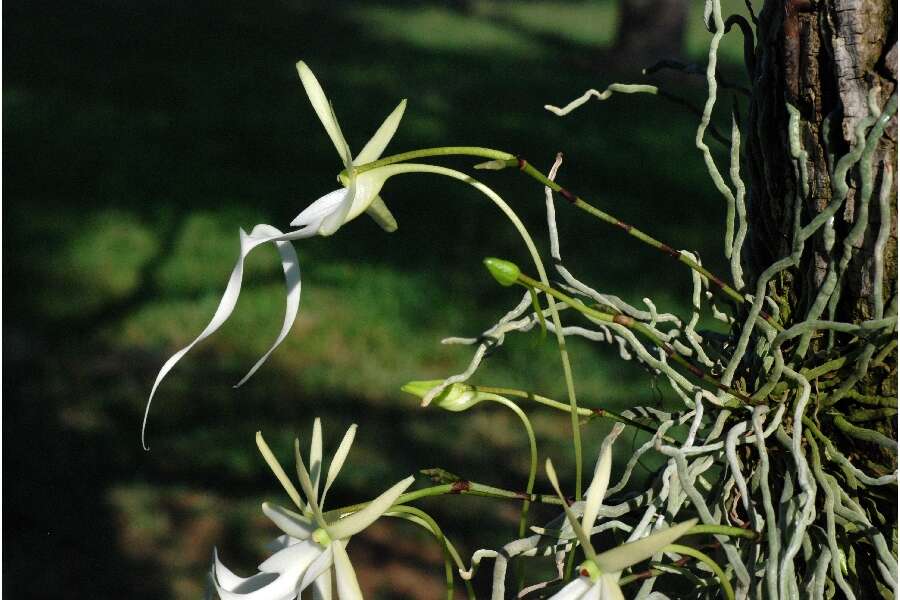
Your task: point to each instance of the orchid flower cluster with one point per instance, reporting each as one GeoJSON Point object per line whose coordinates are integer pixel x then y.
{"type": "Point", "coordinates": [756, 470]}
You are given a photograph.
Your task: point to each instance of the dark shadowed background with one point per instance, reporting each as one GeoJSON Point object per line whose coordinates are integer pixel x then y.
{"type": "Point", "coordinates": [139, 136]}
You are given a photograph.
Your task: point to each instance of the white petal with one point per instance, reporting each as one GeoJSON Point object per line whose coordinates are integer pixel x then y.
{"type": "Point", "coordinates": [290, 264]}
{"type": "Point", "coordinates": [597, 490]}
{"type": "Point", "coordinates": [262, 586]}
{"type": "Point", "coordinates": [570, 516]}
{"type": "Point", "coordinates": [321, 587]}
{"type": "Point", "coordinates": [318, 568]}
{"type": "Point", "coordinates": [634, 552]}
{"type": "Point", "coordinates": [281, 542]}
{"type": "Point", "coordinates": [368, 186]}
{"type": "Point", "coordinates": [295, 525]}
{"type": "Point", "coordinates": [323, 109]}
{"type": "Point", "coordinates": [313, 214]}
{"type": "Point", "coordinates": [596, 592]}
{"type": "Point", "coordinates": [375, 146]}
{"type": "Point", "coordinates": [302, 554]}
{"type": "Point", "coordinates": [609, 588]}
{"type": "Point", "coordinates": [382, 215]}
{"type": "Point", "coordinates": [333, 220]}
{"type": "Point", "coordinates": [277, 469]}
{"type": "Point", "coordinates": [224, 576]}
{"type": "Point", "coordinates": [315, 455]}
{"type": "Point", "coordinates": [356, 522]}
{"type": "Point", "coordinates": [260, 234]}
{"type": "Point", "coordinates": [312, 499]}
{"type": "Point", "coordinates": [347, 585]}
{"type": "Point", "coordinates": [338, 459]}
{"type": "Point", "coordinates": [573, 590]}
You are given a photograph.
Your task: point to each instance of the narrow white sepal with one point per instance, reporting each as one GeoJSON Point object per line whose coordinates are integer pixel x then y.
{"type": "Point", "coordinates": [282, 477]}
{"type": "Point", "coordinates": [356, 522]}
{"type": "Point", "coordinates": [293, 524]}
{"type": "Point", "coordinates": [307, 486]}
{"type": "Point", "coordinates": [337, 461]}
{"type": "Point", "coordinates": [315, 456]}
{"type": "Point", "coordinates": [319, 566]}
{"type": "Point", "coordinates": [375, 146]}
{"type": "Point", "coordinates": [347, 585]}
{"type": "Point", "coordinates": [634, 552]}
{"type": "Point", "coordinates": [320, 104]}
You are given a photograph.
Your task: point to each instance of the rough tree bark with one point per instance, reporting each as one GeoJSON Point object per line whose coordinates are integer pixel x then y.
{"type": "Point", "coordinates": [824, 58]}
{"type": "Point", "coordinates": [835, 61]}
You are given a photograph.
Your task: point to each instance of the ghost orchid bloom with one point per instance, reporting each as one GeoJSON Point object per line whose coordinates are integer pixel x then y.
{"type": "Point", "coordinates": [313, 545]}
{"type": "Point", "coordinates": [360, 192]}
{"type": "Point", "coordinates": [599, 574]}
{"type": "Point", "coordinates": [322, 217]}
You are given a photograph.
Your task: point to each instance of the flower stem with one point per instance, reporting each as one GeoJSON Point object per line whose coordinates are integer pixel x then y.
{"type": "Point", "coordinates": [532, 469]}
{"type": "Point", "coordinates": [511, 160]}
{"type": "Point", "coordinates": [420, 517]}
{"type": "Point", "coordinates": [535, 257]}
{"type": "Point", "coordinates": [727, 590]}
{"type": "Point", "coordinates": [583, 412]}
{"type": "Point", "coordinates": [460, 487]}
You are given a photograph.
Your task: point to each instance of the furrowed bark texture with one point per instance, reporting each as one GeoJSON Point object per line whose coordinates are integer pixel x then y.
{"type": "Point", "coordinates": [824, 58]}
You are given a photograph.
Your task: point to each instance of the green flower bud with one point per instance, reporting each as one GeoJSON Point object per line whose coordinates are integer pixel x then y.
{"type": "Point", "coordinates": [420, 388]}
{"type": "Point", "coordinates": [505, 272]}
{"type": "Point", "coordinates": [456, 398]}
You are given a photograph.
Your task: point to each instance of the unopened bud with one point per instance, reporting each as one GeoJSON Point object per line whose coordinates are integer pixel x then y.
{"type": "Point", "coordinates": [505, 272]}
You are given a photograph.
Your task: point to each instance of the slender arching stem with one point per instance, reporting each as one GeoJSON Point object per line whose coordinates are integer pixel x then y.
{"type": "Point", "coordinates": [532, 469]}
{"type": "Point", "coordinates": [505, 159]}
{"type": "Point", "coordinates": [542, 274]}
{"type": "Point", "coordinates": [727, 590]}
{"type": "Point", "coordinates": [423, 519]}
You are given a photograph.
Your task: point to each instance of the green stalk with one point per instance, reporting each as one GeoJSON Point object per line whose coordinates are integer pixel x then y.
{"type": "Point", "coordinates": [584, 412]}
{"type": "Point", "coordinates": [535, 257]}
{"type": "Point", "coordinates": [411, 513]}
{"type": "Point", "coordinates": [461, 487]}
{"type": "Point", "coordinates": [505, 159]}
{"type": "Point", "coordinates": [532, 469]}
{"type": "Point", "coordinates": [688, 551]}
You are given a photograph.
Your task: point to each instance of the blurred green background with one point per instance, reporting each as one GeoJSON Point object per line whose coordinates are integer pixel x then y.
{"type": "Point", "coordinates": [139, 136]}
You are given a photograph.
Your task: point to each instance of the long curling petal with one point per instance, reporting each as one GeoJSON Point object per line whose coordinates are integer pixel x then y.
{"type": "Point", "coordinates": [290, 264]}
{"type": "Point", "coordinates": [260, 234]}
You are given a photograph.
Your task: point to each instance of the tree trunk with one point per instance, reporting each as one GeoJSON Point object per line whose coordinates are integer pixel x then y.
{"type": "Point", "coordinates": [650, 30]}
{"type": "Point", "coordinates": [835, 63]}
{"type": "Point", "coordinates": [826, 59]}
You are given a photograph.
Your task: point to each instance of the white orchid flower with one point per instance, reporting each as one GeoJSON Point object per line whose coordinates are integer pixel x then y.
{"type": "Point", "coordinates": [312, 552]}
{"type": "Point", "coordinates": [599, 574]}
{"type": "Point", "coordinates": [322, 217]}
{"type": "Point", "coordinates": [360, 192]}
